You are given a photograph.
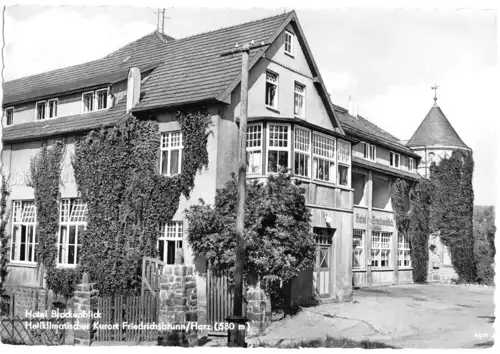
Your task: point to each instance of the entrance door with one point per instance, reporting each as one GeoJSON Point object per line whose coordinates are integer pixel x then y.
{"type": "Point", "coordinates": [321, 271]}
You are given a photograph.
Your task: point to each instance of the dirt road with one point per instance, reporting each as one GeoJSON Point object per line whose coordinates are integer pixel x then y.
{"type": "Point", "coordinates": [406, 316]}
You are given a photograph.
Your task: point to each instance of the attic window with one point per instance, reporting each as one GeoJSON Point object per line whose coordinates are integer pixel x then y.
{"type": "Point", "coordinates": [88, 101]}
{"type": "Point", "coordinates": [40, 110]}
{"type": "Point", "coordinates": [52, 108]}
{"type": "Point", "coordinates": [9, 116]}
{"type": "Point", "coordinates": [289, 43]}
{"type": "Point", "coordinates": [369, 151]}
{"type": "Point", "coordinates": [394, 159]}
{"type": "Point", "coordinates": [102, 99]}
{"type": "Point", "coordinates": [410, 164]}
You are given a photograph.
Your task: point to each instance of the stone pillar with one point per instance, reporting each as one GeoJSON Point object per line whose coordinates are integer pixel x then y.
{"type": "Point", "coordinates": [83, 298]}
{"type": "Point", "coordinates": [258, 310]}
{"type": "Point", "coordinates": [178, 306]}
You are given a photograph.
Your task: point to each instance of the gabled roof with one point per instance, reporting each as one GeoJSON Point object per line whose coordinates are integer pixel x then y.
{"type": "Point", "coordinates": [436, 130]}
{"type": "Point", "coordinates": [145, 53]}
{"type": "Point", "coordinates": [367, 131]}
{"type": "Point", "coordinates": [194, 71]}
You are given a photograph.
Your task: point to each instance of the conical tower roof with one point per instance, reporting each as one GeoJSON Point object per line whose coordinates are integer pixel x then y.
{"type": "Point", "coordinates": [436, 130]}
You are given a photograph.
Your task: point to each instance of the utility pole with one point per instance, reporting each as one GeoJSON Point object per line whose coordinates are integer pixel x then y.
{"type": "Point", "coordinates": [237, 322]}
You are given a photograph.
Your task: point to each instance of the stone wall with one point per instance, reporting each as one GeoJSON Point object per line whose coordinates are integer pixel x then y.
{"type": "Point", "coordinates": [178, 306]}
{"type": "Point", "coordinates": [85, 294]}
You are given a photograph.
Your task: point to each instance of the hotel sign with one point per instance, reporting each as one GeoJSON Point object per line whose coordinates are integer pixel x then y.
{"type": "Point", "coordinates": [379, 220]}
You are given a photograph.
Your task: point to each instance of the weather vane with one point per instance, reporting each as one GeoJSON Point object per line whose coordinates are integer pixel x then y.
{"type": "Point", "coordinates": [435, 88]}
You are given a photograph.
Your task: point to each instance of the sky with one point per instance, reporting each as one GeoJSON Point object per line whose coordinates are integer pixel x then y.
{"type": "Point", "coordinates": [385, 59]}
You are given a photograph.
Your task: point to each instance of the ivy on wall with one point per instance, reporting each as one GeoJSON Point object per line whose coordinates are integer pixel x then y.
{"type": "Point", "coordinates": [453, 210]}
{"type": "Point", "coordinates": [443, 204]}
{"type": "Point", "coordinates": [4, 237]}
{"type": "Point", "coordinates": [116, 171]}
{"type": "Point", "coordinates": [412, 207]}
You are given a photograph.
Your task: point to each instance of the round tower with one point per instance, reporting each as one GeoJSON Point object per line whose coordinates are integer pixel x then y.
{"type": "Point", "coordinates": [434, 139]}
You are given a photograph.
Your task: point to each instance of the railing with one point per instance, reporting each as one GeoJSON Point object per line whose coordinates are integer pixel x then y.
{"type": "Point", "coordinates": [32, 331]}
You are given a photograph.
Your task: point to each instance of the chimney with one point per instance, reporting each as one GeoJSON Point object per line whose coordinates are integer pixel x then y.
{"type": "Point", "coordinates": [133, 88]}
{"type": "Point", "coordinates": [352, 108]}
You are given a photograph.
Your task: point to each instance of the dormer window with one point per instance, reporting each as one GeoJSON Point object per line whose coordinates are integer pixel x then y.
{"type": "Point", "coordinates": [9, 116]}
{"type": "Point", "coordinates": [88, 101]}
{"type": "Point", "coordinates": [52, 108]}
{"type": "Point", "coordinates": [410, 164]}
{"type": "Point", "coordinates": [289, 36]}
{"type": "Point", "coordinates": [369, 151]}
{"type": "Point", "coordinates": [394, 159]}
{"type": "Point", "coordinates": [40, 110]}
{"type": "Point", "coordinates": [102, 99]}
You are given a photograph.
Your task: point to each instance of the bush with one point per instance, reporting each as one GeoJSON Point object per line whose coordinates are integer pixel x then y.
{"type": "Point", "coordinates": [278, 241]}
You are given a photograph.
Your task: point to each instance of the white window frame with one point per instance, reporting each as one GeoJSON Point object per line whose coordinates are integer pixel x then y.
{"type": "Point", "coordinates": [361, 248]}
{"type": "Point", "coordinates": [44, 110]}
{"type": "Point", "coordinates": [403, 251]}
{"type": "Point", "coordinates": [303, 94]}
{"type": "Point", "coordinates": [169, 148]}
{"type": "Point", "coordinates": [48, 107]}
{"type": "Point", "coordinates": [27, 218]}
{"type": "Point", "coordinates": [7, 110]}
{"type": "Point", "coordinates": [277, 84]}
{"type": "Point", "coordinates": [344, 162]}
{"type": "Point", "coordinates": [172, 231]}
{"type": "Point", "coordinates": [298, 150]}
{"type": "Point", "coordinates": [381, 246]}
{"type": "Point", "coordinates": [394, 156]}
{"type": "Point", "coordinates": [369, 151]}
{"type": "Point", "coordinates": [332, 171]}
{"type": "Point", "coordinates": [411, 164]}
{"type": "Point", "coordinates": [72, 213]}
{"type": "Point", "coordinates": [291, 43]}
{"type": "Point", "coordinates": [96, 98]}
{"type": "Point", "coordinates": [254, 149]}
{"type": "Point", "coordinates": [92, 100]}
{"type": "Point", "coordinates": [278, 148]}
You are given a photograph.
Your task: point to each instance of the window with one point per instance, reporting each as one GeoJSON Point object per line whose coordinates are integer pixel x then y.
{"type": "Point", "coordinates": [40, 110]}
{"type": "Point", "coordinates": [72, 223]}
{"type": "Point", "coordinates": [394, 159]}
{"type": "Point", "coordinates": [23, 245]}
{"type": "Point", "coordinates": [302, 151]}
{"type": "Point", "coordinates": [102, 99]}
{"type": "Point", "coordinates": [381, 249]}
{"type": "Point", "coordinates": [171, 153]}
{"type": "Point", "coordinates": [88, 102]}
{"type": "Point", "coordinates": [358, 256]}
{"type": "Point", "coordinates": [170, 240]}
{"type": "Point", "coordinates": [381, 194]}
{"type": "Point", "coordinates": [410, 164]}
{"type": "Point", "coordinates": [254, 149]}
{"type": "Point", "coordinates": [344, 161]}
{"type": "Point", "coordinates": [404, 259]}
{"type": "Point", "coordinates": [299, 100]}
{"type": "Point", "coordinates": [324, 158]}
{"type": "Point", "coordinates": [289, 43]}
{"type": "Point", "coordinates": [271, 89]}
{"type": "Point", "coordinates": [9, 116]}
{"type": "Point", "coordinates": [52, 109]}
{"type": "Point", "coordinates": [278, 147]}
{"type": "Point", "coordinates": [370, 151]}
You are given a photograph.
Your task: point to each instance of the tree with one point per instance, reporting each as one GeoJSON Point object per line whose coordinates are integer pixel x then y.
{"type": "Point", "coordinates": [484, 243]}
{"type": "Point", "coordinates": [279, 243]}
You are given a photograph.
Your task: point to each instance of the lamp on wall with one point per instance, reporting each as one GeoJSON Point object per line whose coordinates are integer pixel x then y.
{"type": "Point", "coordinates": [328, 220]}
